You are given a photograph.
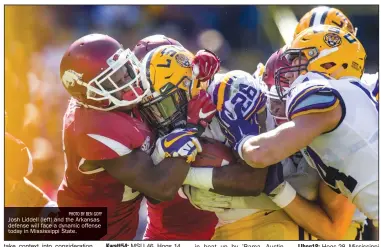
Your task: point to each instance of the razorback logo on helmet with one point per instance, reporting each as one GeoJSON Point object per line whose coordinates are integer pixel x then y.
{"type": "Point", "coordinates": [183, 60]}
{"type": "Point", "coordinates": [332, 39]}
{"type": "Point", "coordinates": [70, 77]}
{"type": "Point", "coordinates": [114, 58]}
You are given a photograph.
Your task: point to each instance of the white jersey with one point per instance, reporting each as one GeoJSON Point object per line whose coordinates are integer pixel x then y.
{"type": "Point", "coordinates": [370, 82]}
{"type": "Point", "coordinates": [302, 177]}
{"type": "Point", "coordinates": [346, 157]}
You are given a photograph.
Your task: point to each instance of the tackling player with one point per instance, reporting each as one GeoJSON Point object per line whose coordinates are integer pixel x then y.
{"type": "Point", "coordinates": [106, 144]}
{"type": "Point", "coordinates": [325, 92]}
{"type": "Point", "coordinates": [278, 112]}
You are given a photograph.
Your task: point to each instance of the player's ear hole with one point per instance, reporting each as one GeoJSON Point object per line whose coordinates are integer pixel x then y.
{"type": "Point", "coordinates": [328, 65]}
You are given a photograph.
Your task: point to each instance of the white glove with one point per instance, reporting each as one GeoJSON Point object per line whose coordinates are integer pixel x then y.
{"type": "Point", "coordinates": [209, 201]}
{"type": "Point", "coordinates": [206, 200]}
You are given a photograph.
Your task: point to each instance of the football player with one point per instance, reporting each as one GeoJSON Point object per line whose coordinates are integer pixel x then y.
{"type": "Point", "coordinates": [324, 15]}
{"type": "Point", "coordinates": [177, 219]}
{"type": "Point", "coordinates": [321, 105]}
{"type": "Point", "coordinates": [106, 144]}
{"type": "Point", "coordinates": [278, 112]}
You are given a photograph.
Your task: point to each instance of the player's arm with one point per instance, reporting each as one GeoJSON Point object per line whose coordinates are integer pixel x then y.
{"type": "Point", "coordinates": [231, 180]}
{"type": "Point", "coordinates": [119, 154]}
{"type": "Point", "coordinates": [138, 171]}
{"type": "Point", "coordinates": [333, 213]}
{"type": "Point", "coordinates": [272, 147]}
{"type": "Point", "coordinates": [237, 180]}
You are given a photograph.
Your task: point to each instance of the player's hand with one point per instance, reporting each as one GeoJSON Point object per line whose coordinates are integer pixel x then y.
{"type": "Point", "coordinates": [201, 110]}
{"type": "Point", "coordinates": [206, 200]}
{"type": "Point", "coordinates": [234, 125]}
{"type": "Point", "coordinates": [275, 180]}
{"type": "Point", "coordinates": [178, 143]}
{"type": "Point", "coordinates": [205, 65]}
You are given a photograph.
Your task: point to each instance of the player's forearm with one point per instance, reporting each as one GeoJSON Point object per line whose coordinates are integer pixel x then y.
{"type": "Point", "coordinates": [231, 180]}
{"type": "Point", "coordinates": [270, 147]}
{"type": "Point", "coordinates": [275, 145]}
{"type": "Point", "coordinates": [238, 180]}
{"type": "Point", "coordinates": [136, 170]}
{"type": "Point", "coordinates": [316, 221]}
{"type": "Point", "coordinates": [166, 178]}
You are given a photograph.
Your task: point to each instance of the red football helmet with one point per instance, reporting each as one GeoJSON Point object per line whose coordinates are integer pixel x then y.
{"type": "Point", "coordinates": [151, 42]}
{"type": "Point", "coordinates": [100, 74]}
{"type": "Point", "coordinates": [275, 62]}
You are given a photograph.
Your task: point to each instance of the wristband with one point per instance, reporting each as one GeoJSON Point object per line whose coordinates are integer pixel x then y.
{"type": "Point", "coordinates": [285, 196]}
{"type": "Point", "coordinates": [240, 144]}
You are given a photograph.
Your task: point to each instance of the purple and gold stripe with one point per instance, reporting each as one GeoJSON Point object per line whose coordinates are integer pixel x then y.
{"type": "Point", "coordinates": [315, 108]}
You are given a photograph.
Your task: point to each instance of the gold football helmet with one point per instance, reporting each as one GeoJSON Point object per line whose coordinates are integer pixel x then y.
{"type": "Point", "coordinates": [168, 71]}
{"type": "Point", "coordinates": [325, 49]}
{"type": "Point", "coordinates": [324, 15]}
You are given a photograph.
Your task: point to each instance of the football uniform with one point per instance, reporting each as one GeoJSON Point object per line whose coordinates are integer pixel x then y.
{"type": "Point", "coordinates": [370, 82]}
{"type": "Point", "coordinates": [346, 157]}
{"type": "Point", "coordinates": [100, 135]}
{"type": "Point", "coordinates": [306, 181]}
{"type": "Point", "coordinates": [178, 220]}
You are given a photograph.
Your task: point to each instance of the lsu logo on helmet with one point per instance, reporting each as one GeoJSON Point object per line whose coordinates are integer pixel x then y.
{"type": "Point", "coordinates": [183, 60]}
{"type": "Point", "coordinates": [332, 39]}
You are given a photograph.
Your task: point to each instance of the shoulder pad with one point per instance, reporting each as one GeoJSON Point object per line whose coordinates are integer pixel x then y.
{"type": "Point", "coordinates": [106, 135]}
{"type": "Point", "coordinates": [308, 95]}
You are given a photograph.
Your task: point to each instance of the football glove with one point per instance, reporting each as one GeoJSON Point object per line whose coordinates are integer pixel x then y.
{"type": "Point", "coordinates": [178, 143]}
{"type": "Point", "coordinates": [235, 126]}
{"type": "Point", "coordinates": [201, 111]}
{"type": "Point", "coordinates": [205, 65]}
{"type": "Point", "coordinates": [206, 200]}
